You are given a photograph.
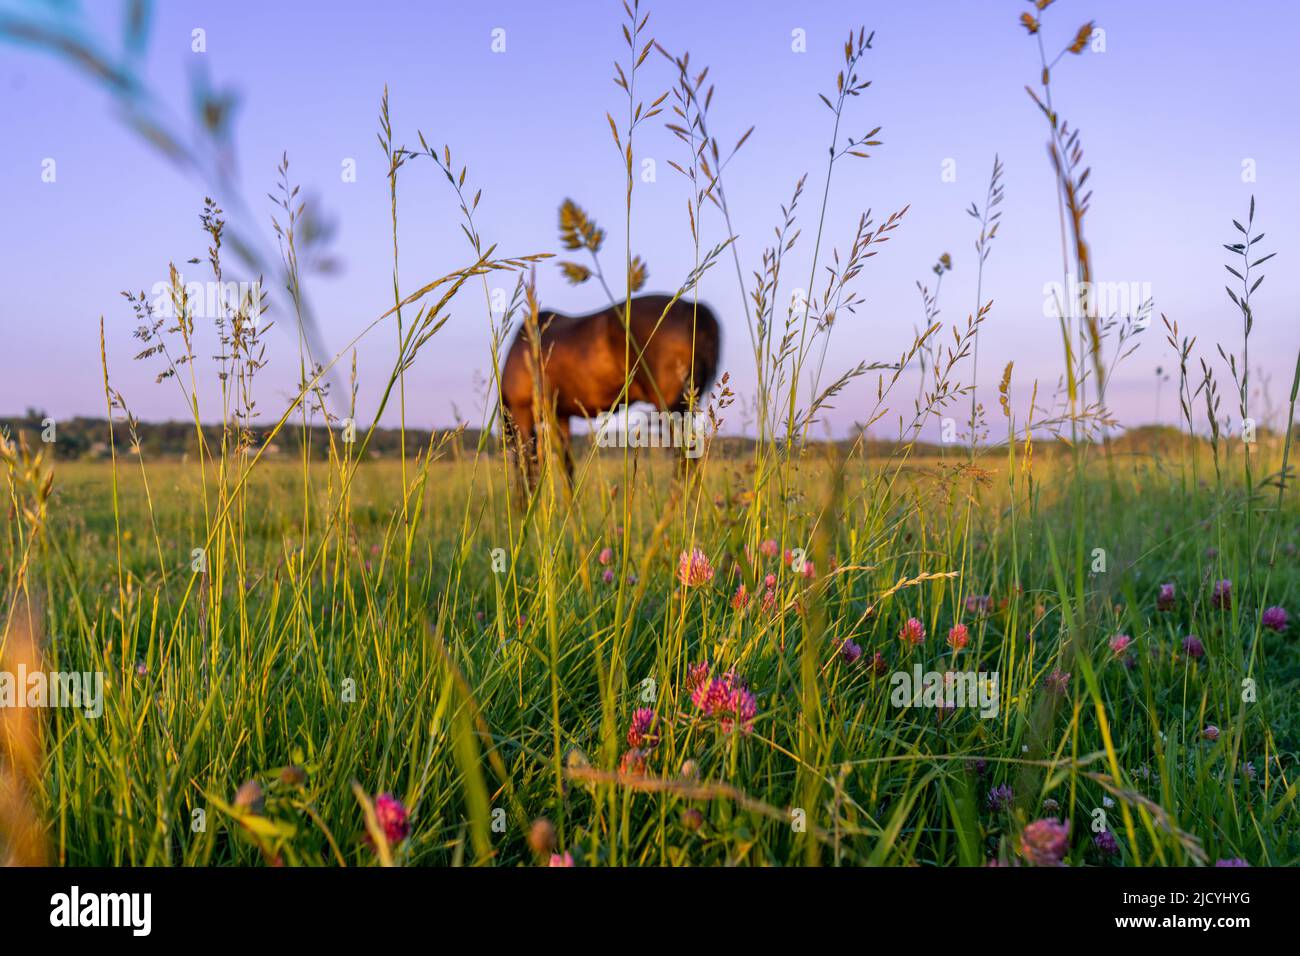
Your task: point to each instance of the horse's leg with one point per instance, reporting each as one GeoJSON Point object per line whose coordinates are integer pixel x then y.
{"type": "Point", "coordinates": [686, 465]}
{"type": "Point", "coordinates": [526, 449]}
{"type": "Point", "coordinates": [563, 426]}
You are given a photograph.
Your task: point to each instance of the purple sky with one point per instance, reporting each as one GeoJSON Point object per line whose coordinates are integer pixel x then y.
{"type": "Point", "coordinates": [1183, 94]}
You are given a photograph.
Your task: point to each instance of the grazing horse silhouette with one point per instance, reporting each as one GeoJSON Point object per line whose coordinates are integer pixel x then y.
{"type": "Point", "coordinates": [585, 360]}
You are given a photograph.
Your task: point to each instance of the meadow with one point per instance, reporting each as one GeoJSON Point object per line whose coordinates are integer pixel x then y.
{"type": "Point", "coordinates": [390, 658]}
{"type": "Point", "coordinates": [324, 657]}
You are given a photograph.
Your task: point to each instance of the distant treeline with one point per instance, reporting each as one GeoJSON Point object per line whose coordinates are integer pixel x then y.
{"type": "Point", "coordinates": [88, 438]}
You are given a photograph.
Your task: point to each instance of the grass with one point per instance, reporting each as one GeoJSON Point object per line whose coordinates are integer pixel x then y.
{"type": "Point", "coordinates": [289, 646]}
{"type": "Point", "coordinates": [458, 722]}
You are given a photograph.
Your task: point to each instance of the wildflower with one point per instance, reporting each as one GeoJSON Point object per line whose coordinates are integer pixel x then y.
{"type": "Point", "coordinates": [1233, 861]}
{"type": "Point", "coordinates": [978, 604]}
{"type": "Point", "coordinates": [769, 581]}
{"type": "Point", "coordinates": [249, 797]}
{"type": "Point", "coordinates": [744, 707]}
{"type": "Point", "coordinates": [769, 547]}
{"type": "Point", "coordinates": [690, 770]}
{"type": "Point", "coordinates": [979, 765]}
{"type": "Point", "coordinates": [1045, 842]}
{"type": "Point", "coordinates": [1165, 599]}
{"type": "Point", "coordinates": [850, 652]}
{"type": "Point", "coordinates": [293, 776]}
{"type": "Point", "coordinates": [561, 859]}
{"type": "Point", "coordinates": [958, 637]}
{"type": "Point", "coordinates": [913, 632]}
{"type": "Point", "coordinates": [392, 817]}
{"type": "Point", "coordinates": [1221, 596]}
{"type": "Point", "coordinates": [1119, 644]}
{"type": "Point", "coordinates": [1275, 619]}
{"type": "Point", "coordinates": [541, 838]}
{"type": "Point", "coordinates": [1051, 805]}
{"type": "Point", "coordinates": [693, 568]}
{"type": "Point", "coordinates": [1000, 797]}
{"type": "Point", "coordinates": [1105, 842]}
{"type": "Point", "coordinates": [1058, 682]}
{"type": "Point", "coordinates": [711, 695]}
{"type": "Point", "coordinates": [740, 599]}
{"type": "Point", "coordinates": [141, 669]}
{"type": "Point", "coordinates": [608, 576]}
{"type": "Point", "coordinates": [1210, 733]}
{"type": "Point", "coordinates": [1193, 647]}
{"type": "Point", "coordinates": [644, 732]}
{"type": "Point", "coordinates": [727, 699]}
{"type": "Point", "coordinates": [692, 819]}
{"type": "Point", "coordinates": [633, 763]}
{"type": "Point", "coordinates": [879, 666]}
{"type": "Point", "coordinates": [606, 555]}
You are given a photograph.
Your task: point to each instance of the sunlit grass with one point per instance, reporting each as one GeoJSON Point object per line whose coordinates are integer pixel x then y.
{"type": "Point", "coordinates": [187, 722]}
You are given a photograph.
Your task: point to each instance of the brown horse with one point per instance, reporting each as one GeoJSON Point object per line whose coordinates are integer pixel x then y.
{"type": "Point", "coordinates": [585, 362]}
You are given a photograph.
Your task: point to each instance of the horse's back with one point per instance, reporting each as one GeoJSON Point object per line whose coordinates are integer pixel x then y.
{"type": "Point", "coordinates": [584, 356]}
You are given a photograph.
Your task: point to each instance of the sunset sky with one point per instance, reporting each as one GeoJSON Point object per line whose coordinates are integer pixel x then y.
{"type": "Point", "coordinates": [1187, 102]}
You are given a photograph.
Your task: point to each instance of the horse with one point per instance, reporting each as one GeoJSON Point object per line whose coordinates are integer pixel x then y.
{"type": "Point", "coordinates": [585, 360]}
